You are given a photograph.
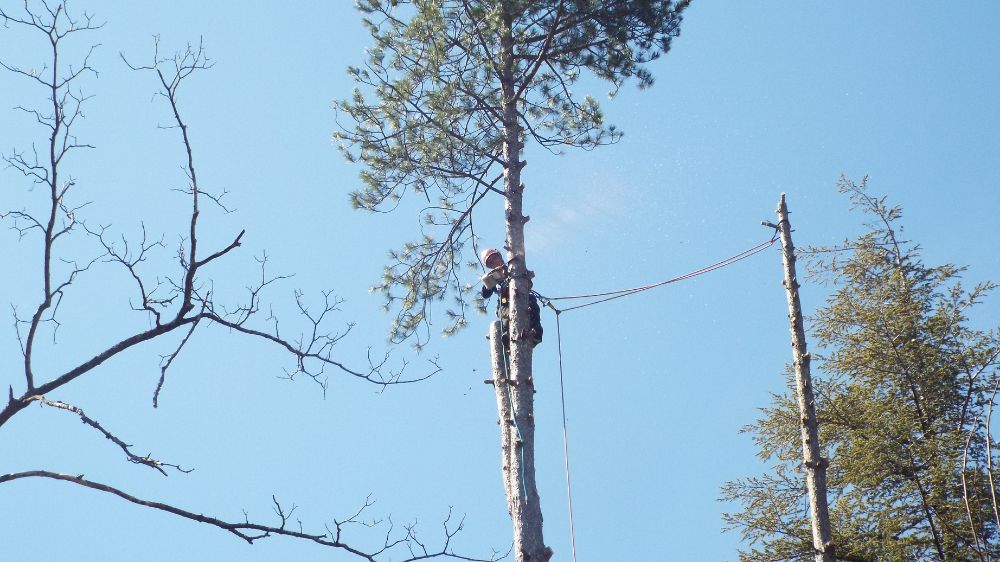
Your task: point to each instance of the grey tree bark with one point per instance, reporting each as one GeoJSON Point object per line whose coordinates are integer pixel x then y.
{"type": "Point", "coordinates": [814, 463]}
{"type": "Point", "coordinates": [514, 378]}
{"type": "Point", "coordinates": [508, 434]}
{"type": "Point", "coordinates": [516, 439]}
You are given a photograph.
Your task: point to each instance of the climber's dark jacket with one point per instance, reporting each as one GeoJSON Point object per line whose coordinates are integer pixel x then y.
{"type": "Point", "coordinates": [534, 312]}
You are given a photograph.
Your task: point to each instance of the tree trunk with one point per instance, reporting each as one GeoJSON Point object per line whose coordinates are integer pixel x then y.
{"type": "Point", "coordinates": [519, 448]}
{"type": "Point", "coordinates": [508, 431]}
{"type": "Point", "coordinates": [811, 459]}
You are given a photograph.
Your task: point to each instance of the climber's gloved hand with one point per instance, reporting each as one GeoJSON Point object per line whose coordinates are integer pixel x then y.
{"type": "Point", "coordinates": [492, 278]}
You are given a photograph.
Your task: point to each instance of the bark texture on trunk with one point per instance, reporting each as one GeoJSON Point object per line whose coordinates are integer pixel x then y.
{"type": "Point", "coordinates": [814, 463]}
{"type": "Point", "coordinates": [516, 441]}
{"type": "Point", "coordinates": [519, 447]}
{"type": "Point", "coordinates": [525, 508]}
{"type": "Point", "coordinates": [508, 432]}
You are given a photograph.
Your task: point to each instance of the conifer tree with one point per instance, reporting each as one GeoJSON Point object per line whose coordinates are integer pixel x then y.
{"type": "Point", "coordinates": [449, 95]}
{"type": "Point", "coordinates": [904, 392]}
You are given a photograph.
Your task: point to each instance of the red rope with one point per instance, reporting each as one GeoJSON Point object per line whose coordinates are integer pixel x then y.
{"type": "Point", "coordinates": [611, 295]}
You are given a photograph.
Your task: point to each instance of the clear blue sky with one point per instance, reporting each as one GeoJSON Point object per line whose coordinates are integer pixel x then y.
{"type": "Point", "coordinates": [755, 99]}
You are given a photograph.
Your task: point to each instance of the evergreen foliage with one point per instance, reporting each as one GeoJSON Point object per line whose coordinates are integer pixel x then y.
{"type": "Point", "coordinates": [432, 112]}
{"type": "Point", "coordinates": [904, 396]}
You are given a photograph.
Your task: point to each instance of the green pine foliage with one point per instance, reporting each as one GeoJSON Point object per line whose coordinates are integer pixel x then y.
{"type": "Point", "coordinates": [904, 389]}
{"type": "Point", "coordinates": [428, 116]}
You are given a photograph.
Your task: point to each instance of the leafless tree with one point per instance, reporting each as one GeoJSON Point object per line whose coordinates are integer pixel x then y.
{"type": "Point", "coordinates": [813, 461]}
{"type": "Point", "coordinates": [177, 303]}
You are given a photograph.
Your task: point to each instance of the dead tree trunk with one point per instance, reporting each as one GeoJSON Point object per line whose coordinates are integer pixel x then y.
{"type": "Point", "coordinates": [814, 463]}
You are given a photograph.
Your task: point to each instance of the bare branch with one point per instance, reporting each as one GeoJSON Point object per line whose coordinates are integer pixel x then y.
{"type": "Point", "coordinates": [234, 244]}
{"type": "Point", "coordinates": [158, 294]}
{"type": "Point", "coordinates": [66, 107]}
{"type": "Point", "coordinates": [167, 360]}
{"type": "Point", "coordinates": [130, 260]}
{"type": "Point", "coordinates": [132, 457]}
{"type": "Point", "coordinates": [251, 532]}
{"type": "Point", "coordinates": [184, 64]}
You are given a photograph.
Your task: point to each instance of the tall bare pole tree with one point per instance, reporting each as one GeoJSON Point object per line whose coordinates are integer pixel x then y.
{"type": "Point", "coordinates": [812, 458]}
{"type": "Point", "coordinates": [175, 301]}
{"type": "Point", "coordinates": [449, 95]}
{"type": "Point", "coordinates": [907, 382]}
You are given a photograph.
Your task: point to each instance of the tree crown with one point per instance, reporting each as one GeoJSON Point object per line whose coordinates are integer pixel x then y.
{"type": "Point", "coordinates": [428, 114]}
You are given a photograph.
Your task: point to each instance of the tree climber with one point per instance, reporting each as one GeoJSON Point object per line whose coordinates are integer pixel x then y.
{"type": "Point", "coordinates": [495, 281]}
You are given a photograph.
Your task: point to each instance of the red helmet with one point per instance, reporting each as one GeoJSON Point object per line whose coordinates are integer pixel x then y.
{"type": "Point", "coordinates": [486, 254]}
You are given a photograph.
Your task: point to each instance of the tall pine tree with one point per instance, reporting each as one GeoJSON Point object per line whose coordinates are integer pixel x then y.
{"type": "Point", "coordinates": [451, 92]}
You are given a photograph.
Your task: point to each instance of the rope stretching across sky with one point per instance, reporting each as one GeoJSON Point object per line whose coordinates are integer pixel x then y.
{"type": "Point", "coordinates": [611, 295]}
